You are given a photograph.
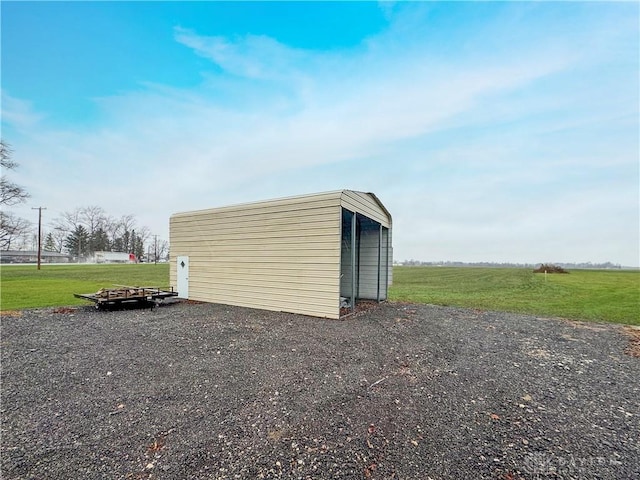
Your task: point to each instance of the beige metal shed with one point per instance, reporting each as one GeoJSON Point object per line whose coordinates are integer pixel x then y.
{"type": "Point", "coordinates": [308, 254]}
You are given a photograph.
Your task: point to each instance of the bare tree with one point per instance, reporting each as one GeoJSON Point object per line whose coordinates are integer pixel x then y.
{"type": "Point", "coordinates": [144, 233]}
{"type": "Point", "coordinates": [113, 228]}
{"type": "Point", "coordinates": [5, 156]}
{"type": "Point", "coordinates": [58, 236]}
{"type": "Point", "coordinates": [10, 193]}
{"type": "Point", "coordinates": [127, 222]}
{"type": "Point", "coordinates": [163, 249]}
{"type": "Point", "coordinates": [71, 220]}
{"type": "Point", "coordinates": [13, 230]}
{"type": "Point", "coordinates": [64, 224]}
{"type": "Point", "coordinates": [93, 217]}
{"type": "Point", "coordinates": [126, 225]}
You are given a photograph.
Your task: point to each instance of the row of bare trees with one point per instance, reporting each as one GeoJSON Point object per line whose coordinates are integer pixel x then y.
{"type": "Point", "coordinates": [79, 232]}
{"type": "Point", "coordinates": [86, 230]}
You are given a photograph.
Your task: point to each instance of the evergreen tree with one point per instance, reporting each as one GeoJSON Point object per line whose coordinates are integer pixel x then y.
{"type": "Point", "coordinates": [132, 242]}
{"type": "Point", "coordinates": [116, 246]}
{"type": "Point", "coordinates": [139, 247]}
{"type": "Point", "coordinates": [77, 243]}
{"type": "Point", "coordinates": [49, 243]}
{"type": "Point", "coordinates": [99, 241]}
{"type": "Point", "coordinates": [126, 240]}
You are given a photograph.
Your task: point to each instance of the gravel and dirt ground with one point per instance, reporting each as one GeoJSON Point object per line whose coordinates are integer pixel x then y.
{"type": "Point", "coordinates": [200, 391]}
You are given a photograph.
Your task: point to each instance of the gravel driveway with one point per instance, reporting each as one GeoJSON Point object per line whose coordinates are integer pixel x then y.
{"type": "Point", "coordinates": [195, 391]}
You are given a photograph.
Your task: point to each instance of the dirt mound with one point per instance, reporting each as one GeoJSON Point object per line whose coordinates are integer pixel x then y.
{"type": "Point", "coordinates": [549, 268]}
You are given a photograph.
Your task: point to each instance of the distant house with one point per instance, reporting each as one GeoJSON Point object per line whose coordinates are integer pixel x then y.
{"type": "Point", "coordinates": [310, 254]}
{"type": "Point", "coordinates": [31, 256]}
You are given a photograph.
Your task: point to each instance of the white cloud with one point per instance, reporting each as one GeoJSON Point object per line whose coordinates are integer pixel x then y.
{"type": "Point", "coordinates": [255, 56]}
{"type": "Point", "coordinates": [18, 113]}
{"type": "Point", "coordinates": [466, 152]}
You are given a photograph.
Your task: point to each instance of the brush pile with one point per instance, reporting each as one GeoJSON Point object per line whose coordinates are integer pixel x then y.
{"type": "Point", "coordinates": [549, 268]}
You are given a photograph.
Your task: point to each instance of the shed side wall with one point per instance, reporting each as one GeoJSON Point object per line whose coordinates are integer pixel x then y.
{"type": "Point", "coordinates": [282, 255]}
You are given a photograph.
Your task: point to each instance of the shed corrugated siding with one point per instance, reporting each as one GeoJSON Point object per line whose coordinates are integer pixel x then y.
{"type": "Point", "coordinates": [365, 204]}
{"type": "Point", "coordinates": [281, 255]}
{"type": "Point", "coordinates": [345, 260]}
{"type": "Point", "coordinates": [368, 267]}
{"type": "Point", "coordinates": [388, 257]}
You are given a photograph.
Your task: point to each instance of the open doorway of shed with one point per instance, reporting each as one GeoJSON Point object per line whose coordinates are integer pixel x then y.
{"type": "Point", "coordinates": [364, 261]}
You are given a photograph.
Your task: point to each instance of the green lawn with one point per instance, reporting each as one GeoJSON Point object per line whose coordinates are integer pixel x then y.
{"type": "Point", "coordinates": [599, 295]}
{"type": "Point", "coordinates": [23, 286]}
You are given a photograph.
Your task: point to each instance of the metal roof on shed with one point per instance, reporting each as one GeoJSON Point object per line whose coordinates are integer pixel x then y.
{"type": "Point", "coordinates": [335, 194]}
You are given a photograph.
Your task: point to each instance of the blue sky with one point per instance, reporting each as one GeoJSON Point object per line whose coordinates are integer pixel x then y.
{"type": "Point", "coordinates": [492, 131]}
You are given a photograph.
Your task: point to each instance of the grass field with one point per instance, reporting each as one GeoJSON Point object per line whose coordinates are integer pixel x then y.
{"type": "Point", "coordinates": [23, 286]}
{"type": "Point", "coordinates": [598, 295]}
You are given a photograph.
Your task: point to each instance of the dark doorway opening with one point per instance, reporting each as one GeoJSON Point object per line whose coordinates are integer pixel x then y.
{"type": "Point", "coordinates": [364, 264]}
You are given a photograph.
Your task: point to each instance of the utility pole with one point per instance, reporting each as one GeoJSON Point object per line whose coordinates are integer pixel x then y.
{"type": "Point", "coordinates": [39, 232]}
{"type": "Point", "coordinates": [155, 249]}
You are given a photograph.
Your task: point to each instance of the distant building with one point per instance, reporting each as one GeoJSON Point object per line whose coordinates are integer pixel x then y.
{"type": "Point", "coordinates": [31, 256]}
{"type": "Point", "coordinates": [114, 257]}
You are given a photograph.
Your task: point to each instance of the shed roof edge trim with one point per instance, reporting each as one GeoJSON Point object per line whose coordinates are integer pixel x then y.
{"type": "Point", "coordinates": [337, 194]}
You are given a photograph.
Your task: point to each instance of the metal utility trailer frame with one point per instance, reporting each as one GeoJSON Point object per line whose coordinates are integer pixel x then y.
{"type": "Point", "coordinates": [125, 295]}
